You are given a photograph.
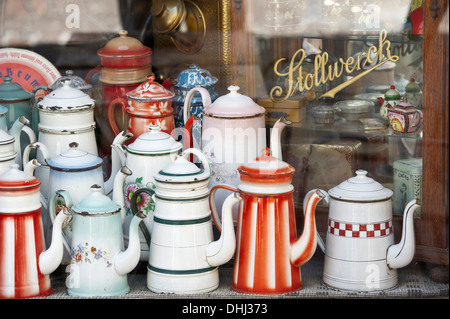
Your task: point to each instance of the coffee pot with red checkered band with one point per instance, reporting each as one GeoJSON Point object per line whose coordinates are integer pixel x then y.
{"type": "Point", "coordinates": [360, 254]}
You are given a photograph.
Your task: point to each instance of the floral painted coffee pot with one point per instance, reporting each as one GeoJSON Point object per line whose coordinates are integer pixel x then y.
{"type": "Point", "coordinates": [391, 98]}
{"type": "Point", "coordinates": [147, 155]}
{"type": "Point", "coordinates": [360, 253]}
{"type": "Point", "coordinates": [268, 252]}
{"type": "Point", "coordinates": [21, 235]}
{"type": "Point", "coordinates": [405, 117]}
{"type": "Point", "coordinates": [149, 103]}
{"type": "Point", "coordinates": [184, 257]}
{"type": "Point", "coordinates": [187, 80]}
{"type": "Point", "coordinates": [99, 264]}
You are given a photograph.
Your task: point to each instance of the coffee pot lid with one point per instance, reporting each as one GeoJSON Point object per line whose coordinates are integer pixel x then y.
{"type": "Point", "coordinates": [193, 77]}
{"type": "Point", "coordinates": [96, 203]}
{"type": "Point", "coordinates": [5, 138]}
{"type": "Point", "coordinates": [360, 188]}
{"type": "Point", "coordinates": [124, 46]}
{"type": "Point", "coordinates": [66, 98]}
{"type": "Point", "coordinates": [75, 82]}
{"type": "Point", "coordinates": [181, 171]}
{"type": "Point", "coordinates": [12, 91]}
{"type": "Point", "coordinates": [234, 104]}
{"type": "Point", "coordinates": [264, 167]}
{"type": "Point", "coordinates": [154, 142]}
{"type": "Point", "coordinates": [74, 159]}
{"type": "Point", "coordinates": [17, 179]}
{"type": "Point", "coordinates": [150, 90]}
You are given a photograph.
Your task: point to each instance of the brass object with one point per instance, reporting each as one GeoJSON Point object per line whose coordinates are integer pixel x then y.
{"type": "Point", "coordinates": [182, 21]}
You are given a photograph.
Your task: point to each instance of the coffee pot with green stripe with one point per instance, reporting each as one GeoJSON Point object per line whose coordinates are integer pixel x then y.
{"type": "Point", "coordinates": [183, 256]}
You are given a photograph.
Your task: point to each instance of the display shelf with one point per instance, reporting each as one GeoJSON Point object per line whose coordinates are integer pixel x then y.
{"type": "Point", "coordinates": [413, 282]}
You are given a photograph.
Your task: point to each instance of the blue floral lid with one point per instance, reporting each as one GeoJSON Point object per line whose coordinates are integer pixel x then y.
{"type": "Point", "coordinates": [191, 78]}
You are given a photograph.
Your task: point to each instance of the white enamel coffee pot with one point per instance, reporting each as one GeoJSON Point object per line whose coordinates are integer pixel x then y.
{"type": "Point", "coordinates": [66, 115]}
{"type": "Point", "coordinates": [360, 254]}
{"type": "Point", "coordinates": [147, 155]}
{"type": "Point", "coordinates": [184, 257]}
{"type": "Point", "coordinates": [233, 133]}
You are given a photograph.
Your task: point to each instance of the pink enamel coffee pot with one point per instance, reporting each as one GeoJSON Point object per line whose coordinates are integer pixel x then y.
{"type": "Point", "coordinates": [268, 252]}
{"type": "Point", "coordinates": [149, 104]}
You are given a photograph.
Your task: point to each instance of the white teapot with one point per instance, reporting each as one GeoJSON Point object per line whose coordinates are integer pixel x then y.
{"type": "Point", "coordinates": [360, 254]}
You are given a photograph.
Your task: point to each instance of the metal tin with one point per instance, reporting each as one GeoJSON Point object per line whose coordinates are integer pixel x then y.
{"type": "Point", "coordinates": [407, 183]}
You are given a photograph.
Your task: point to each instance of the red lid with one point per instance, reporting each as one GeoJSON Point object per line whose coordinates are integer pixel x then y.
{"type": "Point", "coordinates": [17, 179]}
{"type": "Point", "coordinates": [124, 46]}
{"type": "Point", "coordinates": [150, 90]}
{"type": "Point", "coordinates": [266, 169]}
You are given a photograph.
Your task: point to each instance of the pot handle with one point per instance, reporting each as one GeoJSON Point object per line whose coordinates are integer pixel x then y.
{"type": "Point", "coordinates": [206, 100]}
{"type": "Point", "coordinates": [201, 156]}
{"type": "Point", "coordinates": [320, 241]}
{"type": "Point", "coordinates": [135, 209]}
{"type": "Point", "coordinates": [66, 202]}
{"type": "Point", "coordinates": [36, 145]}
{"type": "Point", "coordinates": [111, 117]}
{"type": "Point", "coordinates": [212, 203]}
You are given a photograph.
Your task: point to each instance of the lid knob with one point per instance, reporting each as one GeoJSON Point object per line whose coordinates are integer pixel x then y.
{"type": "Point", "coordinates": [233, 89]}
{"type": "Point", "coordinates": [73, 145]}
{"type": "Point", "coordinates": [361, 173]}
{"type": "Point", "coordinates": [123, 33]}
{"type": "Point", "coordinates": [392, 87]}
{"type": "Point", "coordinates": [96, 188]}
{"type": "Point", "coordinates": [7, 79]}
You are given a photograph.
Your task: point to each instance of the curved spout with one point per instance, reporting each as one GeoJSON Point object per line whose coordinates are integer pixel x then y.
{"type": "Point", "coordinates": [126, 261]}
{"type": "Point", "coordinates": [50, 259]}
{"type": "Point", "coordinates": [304, 247]}
{"type": "Point", "coordinates": [275, 137]}
{"type": "Point", "coordinates": [38, 146]}
{"type": "Point", "coordinates": [30, 167]}
{"type": "Point", "coordinates": [118, 158]}
{"type": "Point", "coordinates": [222, 250]}
{"type": "Point", "coordinates": [118, 193]}
{"type": "Point", "coordinates": [401, 254]}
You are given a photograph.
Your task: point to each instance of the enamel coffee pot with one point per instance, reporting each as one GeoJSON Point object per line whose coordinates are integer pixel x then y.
{"type": "Point", "coordinates": [66, 115]}
{"type": "Point", "coordinates": [360, 254]}
{"type": "Point", "coordinates": [233, 133]}
{"type": "Point", "coordinates": [184, 257]}
{"type": "Point", "coordinates": [74, 171]}
{"type": "Point", "coordinates": [99, 263]}
{"type": "Point", "coordinates": [147, 155]}
{"type": "Point", "coordinates": [21, 235]}
{"type": "Point", "coordinates": [269, 253]}
{"type": "Point", "coordinates": [125, 64]}
{"type": "Point", "coordinates": [15, 99]}
{"type": "Point", "coordinates": [149, 103]}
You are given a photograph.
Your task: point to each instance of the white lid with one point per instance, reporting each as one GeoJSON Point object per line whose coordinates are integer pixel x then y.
{"type": "Point", "coordinates": [234, 104]}
{"type": "Point", "coordinates": [360, 188]}
{"type": "Point", "coordinates": [75, 159]}
{"type": "Point", "coordinates": [181, 171]}
{"type": "Point", "coordinates": [66, 98]}
{"type": "Point", "coordinates": [154, 142]}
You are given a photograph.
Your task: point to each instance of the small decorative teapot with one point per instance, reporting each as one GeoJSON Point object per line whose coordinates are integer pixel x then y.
{"type": "Point", "coordinates": [391, 98]}
{"type": "Point", "coordinates": [268, 252]}
{"type": "Point", "coordinates": [184, 257]}
{"type": "Point", "coordinates": [405, 117]}
{"type": "Point", "coordinates": [99, 264]}
{"type": "Point", "coordinates": [147, 155]}
{"type": "Point", "coordinates": [149, 103]}
{"type": "Point", "coordinates": [413, 93]}
{"type": "Point", "coordinates": [360, 253]}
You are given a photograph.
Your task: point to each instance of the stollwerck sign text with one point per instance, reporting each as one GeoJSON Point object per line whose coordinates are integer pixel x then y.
{"type": "Point", "coordinates": [324, 72]}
